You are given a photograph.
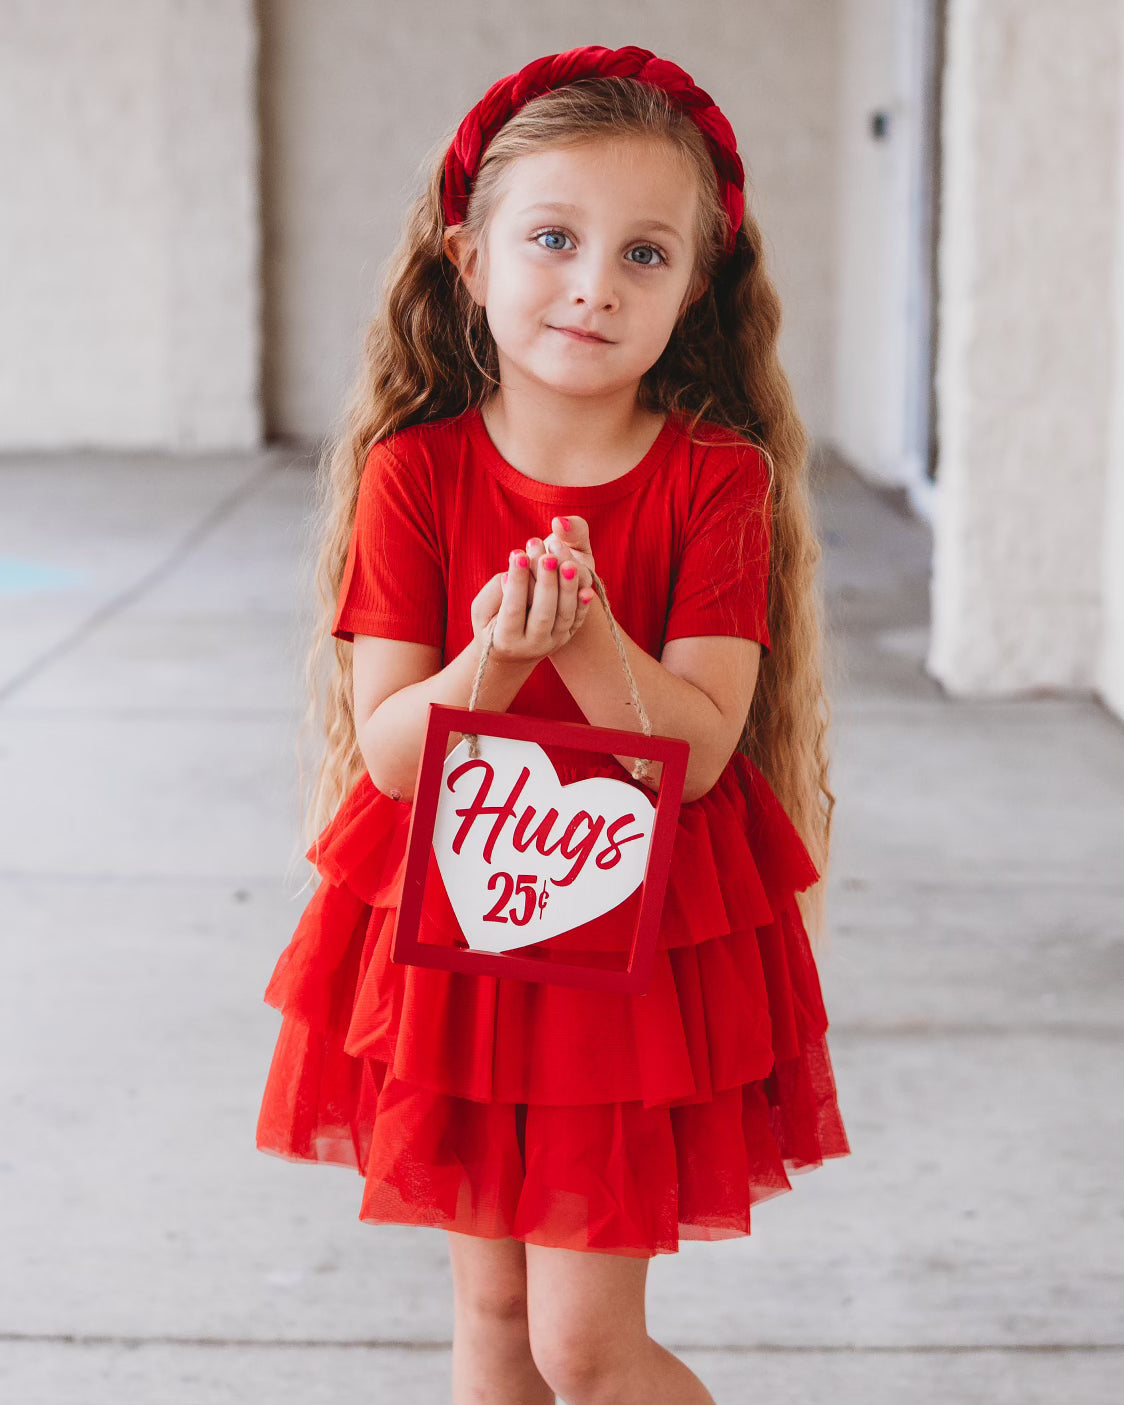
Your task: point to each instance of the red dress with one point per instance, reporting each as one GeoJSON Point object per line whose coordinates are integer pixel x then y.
{"type": "Point", "coordinates": [498, 1107]}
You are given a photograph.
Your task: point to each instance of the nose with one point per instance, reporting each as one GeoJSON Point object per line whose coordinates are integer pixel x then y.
{"type": "Point", "coordinates": [595, 282]}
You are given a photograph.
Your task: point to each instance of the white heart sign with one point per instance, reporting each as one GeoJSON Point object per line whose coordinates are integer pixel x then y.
{"type": "Point", "coordinates": [523, 857]}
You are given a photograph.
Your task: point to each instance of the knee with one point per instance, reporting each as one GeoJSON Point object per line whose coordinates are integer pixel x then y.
{"type": "Point", "coordinates": [489, 1283]}
{"type": "Point", "coordinates": [502, 1303]}
{"type": "Point", "coordinates": [581, 1360]}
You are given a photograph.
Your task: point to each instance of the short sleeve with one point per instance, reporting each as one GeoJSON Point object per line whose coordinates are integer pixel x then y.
{"type": "Point", "coordinates": [721, 582]}
{"type": "Point", "coordinates": [393, 581]}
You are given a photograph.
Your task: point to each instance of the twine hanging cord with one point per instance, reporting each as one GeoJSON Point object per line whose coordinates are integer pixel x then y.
{"type": "Point", "coordinates": [642, 770]}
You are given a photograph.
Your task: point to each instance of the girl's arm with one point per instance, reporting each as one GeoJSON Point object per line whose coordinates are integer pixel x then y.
{"type": "Point", "coordinates": [705, 700]}
{"type": "Point", "coordinates": [394, 684]}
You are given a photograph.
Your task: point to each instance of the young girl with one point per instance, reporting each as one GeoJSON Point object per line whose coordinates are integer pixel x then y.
{"type": "Point", "coordinates": [573, 380]}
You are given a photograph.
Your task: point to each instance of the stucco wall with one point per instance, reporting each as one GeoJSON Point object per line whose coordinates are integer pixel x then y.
{"type": "Point", "coordinates": [1110, 664]}
{"type": "Point", "coordinates": [133, 310]}
{"type": "Point", "coordinates": [353, 101]}
{"type": "Point", "coordinates": [870, 362]}
{"type": "Point", "coordinates": [1032, 114]}
{"type": "Point", "coordinates": [129, 242]}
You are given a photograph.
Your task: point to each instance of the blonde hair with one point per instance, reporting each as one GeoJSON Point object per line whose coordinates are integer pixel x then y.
{"type": "Point", "coordinates": [428, 355]}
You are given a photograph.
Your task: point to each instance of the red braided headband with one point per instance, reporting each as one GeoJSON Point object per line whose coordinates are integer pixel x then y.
{"type": "Point", "coordinates": [506, 97]}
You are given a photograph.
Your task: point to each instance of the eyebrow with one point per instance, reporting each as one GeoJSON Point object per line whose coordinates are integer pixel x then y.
{"type": "Point", "coordinates": [559, 205]}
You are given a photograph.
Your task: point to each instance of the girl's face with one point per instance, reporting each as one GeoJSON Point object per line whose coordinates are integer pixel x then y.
{"type": "Point", "coordinates": [599, 236]}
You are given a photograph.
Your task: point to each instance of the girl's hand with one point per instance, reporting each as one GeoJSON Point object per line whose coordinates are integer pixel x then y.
{"type": "Point", "coordinates": [569, 541]}
{"type": "Point", "coordinates": [534, 614]}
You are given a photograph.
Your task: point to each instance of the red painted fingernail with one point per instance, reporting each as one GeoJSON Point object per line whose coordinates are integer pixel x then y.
{"type": "Point", "coordinates": [565, 523]}
{"type": "Point", "coordinates": [522, 560]}
{"type": "Point", "coordinates": [549, 563]}
{"type": "Point", "coordinates": [569, 571]}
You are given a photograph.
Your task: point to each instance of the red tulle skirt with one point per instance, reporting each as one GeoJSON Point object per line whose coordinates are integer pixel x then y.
{"type": "Point", "coordinates": [559, 1116]}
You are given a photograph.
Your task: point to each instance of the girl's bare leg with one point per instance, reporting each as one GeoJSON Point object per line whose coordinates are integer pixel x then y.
{"type": "Point", "coordinates": [492, 1362]}
{"type": "Point", "coordinates": [589, 1335]}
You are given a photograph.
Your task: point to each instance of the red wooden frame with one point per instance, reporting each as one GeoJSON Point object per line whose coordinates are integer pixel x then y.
{"type": "Point", "coordinates": [408, 949]}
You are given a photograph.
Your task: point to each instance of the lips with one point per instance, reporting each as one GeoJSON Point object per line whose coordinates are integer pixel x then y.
{"type": "Point", "coordinates": [577, 333]}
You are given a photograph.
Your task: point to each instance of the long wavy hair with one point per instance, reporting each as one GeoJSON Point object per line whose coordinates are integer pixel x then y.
{"type": "Point", "coordinates": [428, 354]}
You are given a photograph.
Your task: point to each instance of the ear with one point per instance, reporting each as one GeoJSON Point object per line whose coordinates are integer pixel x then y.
{"type": "Point", "coordinates": [464, 255]}
{"type": "Point", "coordinates": [697, 288]}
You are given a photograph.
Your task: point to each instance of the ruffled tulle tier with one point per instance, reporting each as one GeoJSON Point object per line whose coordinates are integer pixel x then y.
{"type": "Point", "coordinates": [574, 1118]}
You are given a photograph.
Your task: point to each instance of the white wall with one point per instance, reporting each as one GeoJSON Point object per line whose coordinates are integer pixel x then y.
{"type": "Point", "coordinates": [1110, 666]}
{"type": "Point", "coordinates": [129, 283]}
{"type": "Point", "coordinates": [353, 101]}
{"type": "Point", "coordinates": [1031, 134]}
{"type": "Point", "coordinates": [131, 302]}
{"type": "Point", "coordinates": [871, 353]}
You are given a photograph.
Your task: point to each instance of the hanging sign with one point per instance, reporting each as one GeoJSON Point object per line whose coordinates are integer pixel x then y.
{"type": "Point", "coordinates": [502, 857]}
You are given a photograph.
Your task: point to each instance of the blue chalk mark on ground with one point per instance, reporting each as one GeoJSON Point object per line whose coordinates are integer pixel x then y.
{"type": "Point", "coordinates": [19, 576]}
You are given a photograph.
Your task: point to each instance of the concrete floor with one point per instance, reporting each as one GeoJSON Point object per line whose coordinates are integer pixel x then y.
{"type": "Point", "coordinates": [971, 1248]}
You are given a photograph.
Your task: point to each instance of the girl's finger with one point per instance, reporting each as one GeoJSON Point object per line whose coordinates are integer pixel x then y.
{"type": "Point", "coordinates": [512, 614]}
{"type": "Point", "coordinates": [573, 530]}
{"type": "Point", "coordinates": [492, 594]}
{"type": "Point", "coordinates": [581, 614]}
{"type": "Point", "coordinates": [544, 604]}
{"type": "Point", "coordinates": [536, 550]}
{"type": "Point", "coordinates": [558, 548]}
{"type": "Point", "coordinates": [567, 596]}
{"type": "Point", "coordinates": [487, 602]}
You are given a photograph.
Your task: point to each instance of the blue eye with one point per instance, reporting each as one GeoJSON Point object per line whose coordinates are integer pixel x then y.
{"type": "Point", "coordinates": [561, 234]}
{"type": "Point", "coordinates": [545, 232]}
